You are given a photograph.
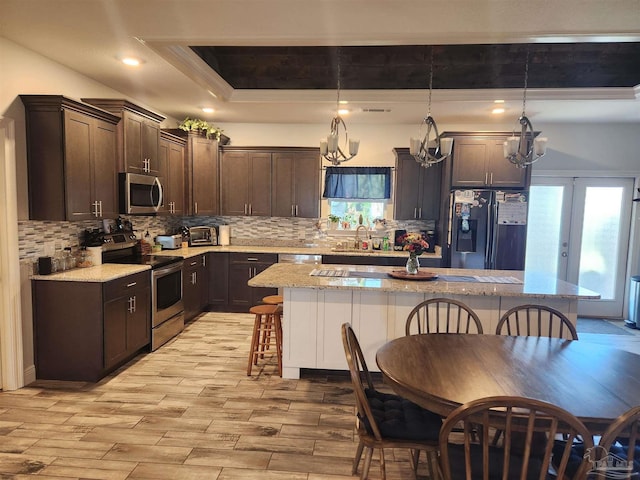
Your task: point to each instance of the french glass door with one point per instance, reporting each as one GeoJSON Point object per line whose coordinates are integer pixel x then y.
{"type": "Point", "coordinates": [578, 231]}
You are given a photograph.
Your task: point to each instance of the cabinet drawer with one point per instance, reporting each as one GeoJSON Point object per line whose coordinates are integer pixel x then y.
{"type": "Point", "coordinates": [193, 263]}
{"type": "Point", "coordinates": [120, 287]}
{"type": "Point", "coordinates": [253, 258]}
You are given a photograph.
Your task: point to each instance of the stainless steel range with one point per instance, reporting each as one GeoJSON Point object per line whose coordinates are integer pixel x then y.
{"type": "Point", "coordinates": [167, 308]}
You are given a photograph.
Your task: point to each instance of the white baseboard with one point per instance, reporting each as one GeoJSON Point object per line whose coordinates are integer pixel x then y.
{"type": "Point", "coordinates": [29, 374]}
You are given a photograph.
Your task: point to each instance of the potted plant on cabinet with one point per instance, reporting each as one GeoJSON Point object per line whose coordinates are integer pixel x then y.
{"type": "Point", "coordinates": [334, 220]}
{"type": "Point", "coordinates": [196, 125]}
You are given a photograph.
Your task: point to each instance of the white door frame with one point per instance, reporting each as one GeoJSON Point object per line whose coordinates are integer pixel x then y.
{"type": "Point", "coordinates": [11, 360]}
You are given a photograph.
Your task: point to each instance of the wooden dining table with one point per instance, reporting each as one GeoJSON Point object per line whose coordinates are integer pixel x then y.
{"type": "Point", "coordinates": [440, 372]}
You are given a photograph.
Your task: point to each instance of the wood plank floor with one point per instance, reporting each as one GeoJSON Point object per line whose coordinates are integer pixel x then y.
{"type": "Point", "coordinates": [187, 411]}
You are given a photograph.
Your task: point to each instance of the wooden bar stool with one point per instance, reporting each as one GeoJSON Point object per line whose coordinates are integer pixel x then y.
{"type": "Point", "coordinates": [273, 300]}
{"type": "Point", "coordinates": [267, 321]}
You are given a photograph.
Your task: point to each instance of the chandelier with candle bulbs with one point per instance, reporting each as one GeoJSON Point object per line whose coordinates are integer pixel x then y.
{"type": "Point", "coordinates": [520, 150]}
{"type": "Point", "coordinates": [422, 147]}
{"type": "Point", "coordinates": [330, 148]}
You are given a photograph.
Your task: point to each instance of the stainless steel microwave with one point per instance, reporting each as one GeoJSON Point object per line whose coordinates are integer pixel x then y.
{"type": "Point", "coordinates": [140, 194]}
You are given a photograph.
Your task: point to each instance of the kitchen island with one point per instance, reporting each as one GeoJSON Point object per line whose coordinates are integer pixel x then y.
{"type": "Point", "coordinates": [376, 305]}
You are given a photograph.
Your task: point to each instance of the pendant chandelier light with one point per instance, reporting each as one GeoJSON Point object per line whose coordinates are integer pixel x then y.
{"type": "Point", "coordinates": [330, 148]}
{"type": "Point", "coordinates": [419, 147]}
{"type": "Point", "coordinates": [520, 150]}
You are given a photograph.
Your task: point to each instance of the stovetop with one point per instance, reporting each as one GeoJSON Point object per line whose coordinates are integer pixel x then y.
{"type": "Point", "coordinates": [154, 261]}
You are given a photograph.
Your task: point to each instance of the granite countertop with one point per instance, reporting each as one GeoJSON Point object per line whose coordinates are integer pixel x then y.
{"type": "Point", "coordinates": [100, 273]}
{"type": "Point", "coordinates": [187, 252]}
{"type": "Point", "coordinates": [107, 272]}
{"type": "Point", "coordinates": [533, 285]}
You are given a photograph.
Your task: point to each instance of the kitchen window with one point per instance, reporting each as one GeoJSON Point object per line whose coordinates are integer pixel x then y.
{"type": "Point", "coordinates": [357, 191]}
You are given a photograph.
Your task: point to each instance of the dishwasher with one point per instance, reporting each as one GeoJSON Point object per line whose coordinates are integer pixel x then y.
{"type": "Point", "coordinates": [290, 258]}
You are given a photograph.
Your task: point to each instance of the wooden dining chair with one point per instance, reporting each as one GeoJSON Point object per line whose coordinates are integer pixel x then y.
{"type": "Point", "coordinates": [442, 315]}
{"type": "Point", "coordinates": [536, 321]}
{"type": "Point", "coordinates": [385, 420]}
{"type": "Point", "coordinates": [618, 455]}
{"type": "Point", "coordinates": [530, 429]}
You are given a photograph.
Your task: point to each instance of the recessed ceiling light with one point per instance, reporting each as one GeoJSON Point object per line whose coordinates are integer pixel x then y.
{"type": "Point", "coordinates": [498, 101]}
{"type": "Point", "coordinates": [343, 102]}
{"type": "Point", "coordinates": [208, 110]}
{"type": "Point", "coordinates": [497, 111]}
{"type": "Point", "coordinates": [344, 111]}
{"type": "Point", "coordinates": [130, 61]}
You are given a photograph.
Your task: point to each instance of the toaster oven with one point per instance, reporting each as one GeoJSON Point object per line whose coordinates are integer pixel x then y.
{"type": "Point", "coordinates": [203, 236]}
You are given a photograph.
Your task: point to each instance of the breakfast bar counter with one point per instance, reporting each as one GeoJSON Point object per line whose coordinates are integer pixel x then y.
{"type": "Point", "coordinates": [377, 305]}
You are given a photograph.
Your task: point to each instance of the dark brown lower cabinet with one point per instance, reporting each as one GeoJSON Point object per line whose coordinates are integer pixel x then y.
{"type": "Point", "coordinates": [83, 331]}
{"type": "Point", "coordinates": [195, 286]}
{"type": "Point", "coordinates": [218, 281]}
{"type": "Point", "coordinates": [243, 267]}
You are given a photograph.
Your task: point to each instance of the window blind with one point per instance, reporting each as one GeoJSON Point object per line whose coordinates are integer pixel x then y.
{"type": "Point", "coordinates": [363, 183]}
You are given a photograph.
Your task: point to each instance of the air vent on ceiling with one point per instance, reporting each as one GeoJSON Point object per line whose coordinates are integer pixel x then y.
{"type": "Point", "coordinates": [376, 110]}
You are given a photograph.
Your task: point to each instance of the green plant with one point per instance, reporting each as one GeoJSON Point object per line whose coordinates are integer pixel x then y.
{"type": "Point", "coordinates": [195, 124]}
{"type": "Point", "coordinates": [334, 218]}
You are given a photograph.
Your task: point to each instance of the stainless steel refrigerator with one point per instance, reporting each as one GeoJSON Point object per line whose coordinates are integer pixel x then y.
{"type": "Point", "coordinates": [488, 229]}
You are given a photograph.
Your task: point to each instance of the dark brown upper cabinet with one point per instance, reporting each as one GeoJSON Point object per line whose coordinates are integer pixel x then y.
{"type": "Point", "coordinates": [245, 183]}
{"type": "Point", "coordinates": [138, 135]}
{"type": "Point", "coordinates": [71, 157]}
{"type": "Point", "coordinates": [478, 162]}
{"type": "Point", "coordinates": [172, 164]}
{"type": "Point", "coordinates": [295, 183]}
{"type": "Point", "coordinates": [417, 189]}
{"type": "Point", "coordinates": [202, 176]}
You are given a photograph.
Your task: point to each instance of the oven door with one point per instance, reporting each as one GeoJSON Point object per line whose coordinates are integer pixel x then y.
{"type": "Point", "coordinates": [166, 293]}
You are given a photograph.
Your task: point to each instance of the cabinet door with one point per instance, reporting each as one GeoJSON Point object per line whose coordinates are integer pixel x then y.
{"type": "Point", "coordinates": [115, 331]}
{"type": "Point", "coordinates": [295, 190]}
{"type": "Point", "coordinates": [139, 319]}
{"type": "Point", "coordinates": [78, 178]}
{"type": "Point", "coordinates": [218, 271]}
{"type": "Point", "coordinates": [204, 180]}
{"type": "Point", "coordinates": [258, 293]}
{"type": "Point", "coordinates": [306, 184]}
{"type": "Point", "coordinates": [104, 182]}
{"type": "Point", "coordinates": [502, 173]}
{"type": "Point", "coordinates": [239, 291]}
{"type": "Point", "coordinates": [260, 184]}
{"type": "Point", "coordinates": [190, 292]}
{"type": "Point", "coordinates": [407, 187]}
{"type": "Point", "coordinates": [133, 159]}
{"type": "Point", "coordinates": [150, 143]}
{"type": "Point", "coordinates": [234, 184]}
{"type": "Point", "coordinates": [469, 163]}
{"type": "Point", "coordinates": [171, 159]}
{"type": "Point", "coordinates": [430, 183]}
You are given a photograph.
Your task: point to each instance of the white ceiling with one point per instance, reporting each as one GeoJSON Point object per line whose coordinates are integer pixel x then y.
{"type": "Point", "coordinates": [89, 36]}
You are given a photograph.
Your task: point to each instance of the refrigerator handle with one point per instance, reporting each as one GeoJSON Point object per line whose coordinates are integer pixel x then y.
{"type": "Point", "coordinates": [492, 215]}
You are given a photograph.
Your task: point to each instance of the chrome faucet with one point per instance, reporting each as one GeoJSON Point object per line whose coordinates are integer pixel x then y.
{"type": "Point", "coordinates": [358, 241]}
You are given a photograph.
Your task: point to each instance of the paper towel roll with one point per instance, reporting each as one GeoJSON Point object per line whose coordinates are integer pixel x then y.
{"type": "Point", "coordinates": [95, 255]}
{"type": "Point", "coordinates": [225, 235]}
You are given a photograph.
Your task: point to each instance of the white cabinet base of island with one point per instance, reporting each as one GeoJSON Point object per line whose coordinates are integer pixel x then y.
{"type": "Point", "coordinates": [313, 319]}
{"type": "Point", "coordinates": [377, 306]}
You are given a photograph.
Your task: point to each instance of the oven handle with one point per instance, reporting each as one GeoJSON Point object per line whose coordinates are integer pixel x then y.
{"type": "Point", "coordinates": [160, 272]}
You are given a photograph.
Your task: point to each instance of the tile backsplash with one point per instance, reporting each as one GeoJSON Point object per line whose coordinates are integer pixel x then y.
{"type": "Point", "coordinates": [35, 237]}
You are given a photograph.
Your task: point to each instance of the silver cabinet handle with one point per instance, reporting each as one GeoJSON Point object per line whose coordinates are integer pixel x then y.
{"type": "Point", "coordinates": [100, 208]}
{"type": "Point", "coordinates": [194, 278]}
{"type": "Point", "coordinates": [195, 262]}
{"type": "Point", "coordinates": [491, 179]}
{"type": "Point", "coordinates": [245, 208]}
{"type": "Point", "coordinates": [296, 210]}
{"type": "Point", "coordinates": [204, 261]}
{"type": "Point", "coordinates": [132, 284]}
{"type": "Point", "coordinates": [132, 304]}
{"type": "Point", "coordinates": [292, 211]}
{"type": "Point", "coordinates": [486, 178]}
{"type": "Point", "coordinates": [419, 212]}
{"type": "Point", "coordinates": [249, 272]}
{"type": "Point", "coordinates": [195, 205]}
{"type": "Point", "coordinates": [250, 209]}
{"type": "Point", "coordinates": [252, 259]}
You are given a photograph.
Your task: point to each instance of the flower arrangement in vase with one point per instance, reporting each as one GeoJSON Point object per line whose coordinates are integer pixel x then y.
{"type": "Point", "coordinates": [197, 125]}
{"type": "Point", "coordinates": [415, 244]}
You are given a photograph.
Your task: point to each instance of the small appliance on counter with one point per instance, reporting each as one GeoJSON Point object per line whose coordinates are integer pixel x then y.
{"type": "Point", "coordinates": [170, 242]}
{"type": "Point", "coordinates": [225, 235]}
{"type": "Point", "coordinates": [203, 236]}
